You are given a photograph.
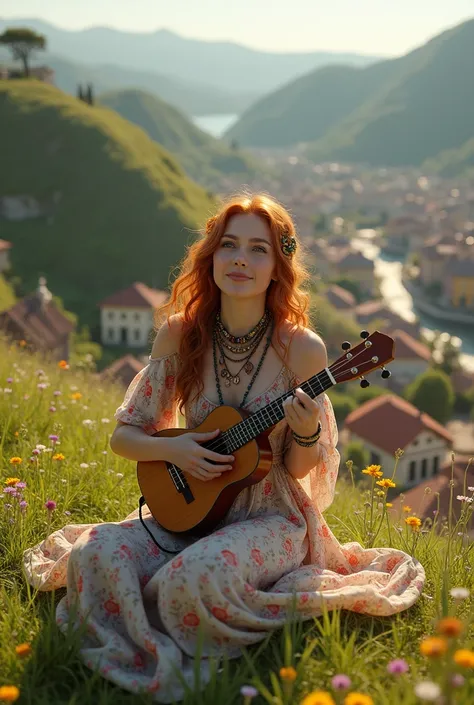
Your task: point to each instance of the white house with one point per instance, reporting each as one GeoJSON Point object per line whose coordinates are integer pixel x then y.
{"type": "Point", "coordinates": [412, 358]}
{"type": "Point", "coordinates": [389, 422]}
{"type": "Point", "coordinates": [126, 317]}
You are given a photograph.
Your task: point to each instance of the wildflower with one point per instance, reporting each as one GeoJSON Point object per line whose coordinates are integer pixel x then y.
{"type": "Point", "coordinates": [35, 451]}
{"type": "Point", "coordinates": [23, 650]}
{"type": "Point", "coordinates": [341, 682]}
{"type": "Point", "coordinates": [459, 593]}
{"type": "Point", "coordinates": [380, 493]}
{"type": "Point", "coordinates": [358, 699]}
{"type": "Point", "coordinates": [388, 504]}
{"type": "Point", "coordinates": [9, 693]}
{"type": "Point", "coordinates": [59, 456]}
{"type": "Point", "coordinates": [288, 674]}
{"type": "Point", "coordinates": [464, 657]}
{"type": "Point", "coordinates": [83, 465]}
{"type": "Point", "coordinates": [63, 365]}
{"type": "Point", "coordinates": [414, 522]}
{"type": "Point", "coordinates": [12, 480]}
{"type": "Point", "coordinates": [53, 438]}
{"type": "Point", "coordinates": [104, 420]}
{"type": "Point", "coordinates": [373, 470]}
{"type": "Point", "coordinates": [433, 646]}
{"type": "Point", "coordinates": [52, 408]}
{"type": "Point", "coordinates": [457, 680]}
{"type": "Point", "coordinates": [23, 505]}
{"type": "Point", "coordinates": [249, 692]}
{"type": "Point", "coordinates": [450, 626]}
{"type": "Point", "coordinates": [119, 475]}
{"type": "Point", "coordinates": [386, 482]}
{"type": "Point", "coordinates": [57, 393]}
{"type": "Point", "coordinates": [76, 396]}
{"type": "Point", "coordinates": [318, 697]}
{"type": "Point", "coordinates": [15, 460]}
{"type": "Point", "coordinates": [397, 666]}
{"type": "Point", "coordinates": [427, 690]}
{"type": "Point", "coordinates": [50, 505]}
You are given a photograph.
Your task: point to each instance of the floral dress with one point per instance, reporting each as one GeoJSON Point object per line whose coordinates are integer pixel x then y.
{"type": "Point", "coordinates": [144, 609]}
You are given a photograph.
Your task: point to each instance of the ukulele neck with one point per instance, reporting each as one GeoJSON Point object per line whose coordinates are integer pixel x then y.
{"type": "Point", "coordinates": [248, 429]}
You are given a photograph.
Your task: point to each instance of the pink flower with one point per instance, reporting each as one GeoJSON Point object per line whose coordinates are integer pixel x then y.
{"type": "Point", "coordinates": [53, 438]}
{"type": "Point", "coordinates": [397, 666]}
{"type": "Point", "coordinates": [50, 505]}
{"type": "Point", "coordinates": [341, 682]}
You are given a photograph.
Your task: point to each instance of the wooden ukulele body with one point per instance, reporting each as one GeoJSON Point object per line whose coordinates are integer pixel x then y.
{"type": "Point", "coordinates": [206, 503]}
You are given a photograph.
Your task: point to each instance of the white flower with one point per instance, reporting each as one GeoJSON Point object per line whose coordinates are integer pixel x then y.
{"type": "Point", "coordinates": [83, 465]}
{"type": "Point", "coordinates": [88, 422]}
{"type": "Point", "coordinates": [7, 390]}
{"type": "Point", "coordinates": [93, 463]}
{"type": "Point", "coordinates": [459, 593]}
{"type": "Point", "coordinates": [119, 474]}
{"type": "Point", "coordinates": [85, 407]}
{"type": "Point", "coordinates": [73, 387]}
{"type": "Point", "coordinates": [40, 446]}
{"type": "Point", "coordinates": [105, 420]}
{"type": "Point", "coordinates": [427, 690]}
{"type": "Point", "coordinates": [471, 489]}
{"type": "Point", "coordinates": [104, 452]}
{"type": "Point", "coordinates": [63, 481]}
{"type": "Point", "coordinates": [15, 406]}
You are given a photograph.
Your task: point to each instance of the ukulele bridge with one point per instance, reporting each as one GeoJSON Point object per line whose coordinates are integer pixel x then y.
{"type": "Point", "coordinates": [180, 483]}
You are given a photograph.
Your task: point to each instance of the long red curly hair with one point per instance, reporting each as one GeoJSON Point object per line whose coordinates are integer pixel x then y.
{"type": "Point", "coordinates": [196, 296]}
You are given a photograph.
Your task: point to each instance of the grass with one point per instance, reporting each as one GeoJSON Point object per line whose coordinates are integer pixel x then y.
{"type": "Point", "coordinates": [104, 489]}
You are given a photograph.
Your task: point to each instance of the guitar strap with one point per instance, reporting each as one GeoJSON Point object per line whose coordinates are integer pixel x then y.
{"type": "Point", "coordinates": [141, 502]}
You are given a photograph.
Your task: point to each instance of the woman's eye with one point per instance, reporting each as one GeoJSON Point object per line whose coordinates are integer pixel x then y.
{"type": "Point", "coordinates": [227, 243]}
{"type": "Point", "coordinates": [260, 249]}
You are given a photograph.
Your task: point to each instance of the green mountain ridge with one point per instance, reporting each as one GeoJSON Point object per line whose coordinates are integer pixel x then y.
{"type": "Point", "coordinates": [116, 206]}
{"type": "Point", "coordinates": [398, 112]}
{"type": "Point", "coordinates": [203, 157]}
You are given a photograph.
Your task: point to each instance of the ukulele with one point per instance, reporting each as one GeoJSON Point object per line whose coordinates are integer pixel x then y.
{"type": "Point", "coordinates": [181, 503]}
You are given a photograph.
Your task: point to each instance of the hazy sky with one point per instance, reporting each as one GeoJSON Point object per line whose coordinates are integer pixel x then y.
{"type": "Point", "coordinates": [368, 26]}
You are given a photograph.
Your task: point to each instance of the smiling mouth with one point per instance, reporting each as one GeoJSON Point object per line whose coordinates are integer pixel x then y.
{"type": "Point", "coordinates": [238, 277]}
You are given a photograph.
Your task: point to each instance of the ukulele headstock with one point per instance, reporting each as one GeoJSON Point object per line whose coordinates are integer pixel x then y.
{"type": "Point", "coordinates": [375, 351]}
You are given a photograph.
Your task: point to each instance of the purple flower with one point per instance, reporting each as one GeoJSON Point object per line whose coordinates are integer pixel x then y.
{"type": "Point", "coordinates": [20, 485]}
{"type": "Point", "coordinates": [53, 438]}
{"type": "Point", "coordinates": [50, 505]}
{"type": "Point", "coordinates": [56, 393]}
{"type": "Point", "coordinates": [341, 682]}
{"type": "Point", "coordinates": [68, 513]}
{"type": "Point", "coordinates": [9, 380]}
{"type": "Point", "coordinates": [248, 691]}
{"type": "Point", "coordinates": [42, 385]}
{"type": "Point", "coordinates": [457, 680]}
{"type": "Point", "coordinates": [11, 490]}
{"type": "Point", "coordinates": [23, 505]}
{"type": "Point", "coordinates": [397, 666]}
{"type": "Point", "coordinates": [36, 451]}
{"type": "Point", "coordinates": [52, 408]}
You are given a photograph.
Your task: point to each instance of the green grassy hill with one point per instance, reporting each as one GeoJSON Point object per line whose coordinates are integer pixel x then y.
{"type": "Point", "coordinates": [203, 157]}
{"type": "Point", "coordinates": [115, 206]}
{"type": "Point", "coordinates": [454, 162]}
{"type": "Point", "coordinates": [396, 112]}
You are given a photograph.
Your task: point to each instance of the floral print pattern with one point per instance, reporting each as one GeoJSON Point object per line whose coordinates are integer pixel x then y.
{"type": "Point", "coordinates": [145, 608]}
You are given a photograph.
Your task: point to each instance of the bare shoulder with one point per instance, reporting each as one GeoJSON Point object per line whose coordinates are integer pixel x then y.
{"type": "Point", "coordinates": [168, 337]}
{"type": "Point", "coordinates": [307, 353]}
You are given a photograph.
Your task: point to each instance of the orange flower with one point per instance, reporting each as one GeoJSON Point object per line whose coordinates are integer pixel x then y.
{"type": "Point", "coordinates": [23, 650]}
{"type": "Point", "coordinates": [76, 395]}
{"type": "Point", "coordinates": [59, 456]}
{"type": "Point", "coordinates": [358, 699]}
{"type": "Point", "coordinates": [450, 626]}
{"type": "Point", "coordinates": [12, 480]}
{"type": "Point", "coordinates": [63, 365]}
{"type": "Point", "coordinates": [464, 657]}
{"type": "Point", "coordinates": [288, 674]}
{"type": "Point", "coordinates": [16, 434]}
{"type": "Point", "coordinates": [406, 508]}
{"type": "Point", "coordinates": [318, 697]}
{"type": "Point", "coordinates": [414, 522]}
{"type": "Point", "coordinates": [434, 646]}
{"type": "Point", "coordinates": [22, 343]}
{"type": "Point", "coordinates": [385, 483]}
{"type": "Point", "coordinates": [373, 470]}
{"type": "Point", "coordinates": [9, 693]}
{"type": "Point", "coordinates": [15, 460]}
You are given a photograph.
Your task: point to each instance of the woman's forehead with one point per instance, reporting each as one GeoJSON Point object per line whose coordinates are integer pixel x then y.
{"type": "Point", "coordinates": [248, 226]}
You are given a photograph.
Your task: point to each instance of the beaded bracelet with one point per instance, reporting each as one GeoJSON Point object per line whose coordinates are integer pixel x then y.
{"type": "Point", "coordinates": [307, 441]}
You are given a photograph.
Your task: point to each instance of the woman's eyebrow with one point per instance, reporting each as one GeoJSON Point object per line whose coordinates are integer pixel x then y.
{"type": "Point", "coordinates": [252, 239]}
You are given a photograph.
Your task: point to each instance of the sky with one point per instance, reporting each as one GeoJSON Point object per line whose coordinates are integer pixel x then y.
{"type": "Point", "coordinates": [384, 27]}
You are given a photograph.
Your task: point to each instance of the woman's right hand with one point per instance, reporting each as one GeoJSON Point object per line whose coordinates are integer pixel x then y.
{"type": "Point", "coordinates": [189, 456]}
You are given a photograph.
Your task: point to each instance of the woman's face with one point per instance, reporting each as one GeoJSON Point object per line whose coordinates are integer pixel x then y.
{"type": "Point", "coordinates": [244, 261]}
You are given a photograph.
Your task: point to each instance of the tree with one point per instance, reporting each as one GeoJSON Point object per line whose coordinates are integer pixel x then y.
{"type": "Point", "coordinates": [343, 405]}
{"type": "Point", "coordinates": [432, 392]}
{"type": "Point", "coordinates": [89, 97]}
{"type": "Point", "coordinates": [80, 94]}
{"type": "Point", "coordinates": [22, 43]}
{"type": "Point", "coordinates": [356, 451]}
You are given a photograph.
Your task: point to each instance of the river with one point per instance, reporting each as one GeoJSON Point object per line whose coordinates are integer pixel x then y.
{"type": "Point", "coordinates": [215, 125]}
{"type": "Point", "coordinates": [397, 298]}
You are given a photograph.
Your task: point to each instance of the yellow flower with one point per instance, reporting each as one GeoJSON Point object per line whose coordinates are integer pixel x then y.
{"type": "Point", "coordinates": [288, 674]}
{"type": "Point", "coordinates": [464, 657]}
{"type": "Point", "coordinates": [388, 504]}
{"type": "Point", "coordinates": [22, 343]}
{"type": "Point", "coordinates": [358, 699]}
{"type": "Point", "coordinates": [15, 460]}
{"type": "Point", "coordinates": [406, 508]}
{"type": "Point", "coordinates": [76, 395]}
{"type": "Point", "coordinates": [12, 480]}
{"type": "Point", "coordinates": [16, 434]}
{"type": "Point", "coordinates": [380, 493]}
{"type": "Point", "coordinates": [58, 456]}
{"type": "Point", "coordinates": [385, 482]}
{"type": "Point", "coordinates": [434, 646]}
{"type": "Point", "coordinates": [373, 470]}
{"type": "Point", "coordinates": [9, 693]}
{"type": "Point", "coordinates": [23, 650]}
{"type": "Point", "coordinates": [63, 365]}
{"type": "Point", "coordinates": [318, 697]}
{"type": "Point", "coordinates": [450, 626]}
{"type": "Point", "coordinates": [414, 522]}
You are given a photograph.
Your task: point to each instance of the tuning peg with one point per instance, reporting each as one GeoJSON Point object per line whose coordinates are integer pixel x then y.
{"type": "Point", "coordinates": [364, 334]}
{"type": "Point", "coordinates": [386, 373]}
{"type": "Point", "coordinates": [346, 345]}
{"type": "Point", "coordinates": [364, 383]}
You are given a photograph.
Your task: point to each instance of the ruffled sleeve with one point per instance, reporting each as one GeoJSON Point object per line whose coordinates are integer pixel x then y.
{"type": "Point", "coordinates": [320, 483]}
{"type": "Point", "coordinates": [150, 400]}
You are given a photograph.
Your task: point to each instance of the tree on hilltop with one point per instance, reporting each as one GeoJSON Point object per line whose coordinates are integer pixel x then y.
{"type": "Point", "coordinates": [432, 392]}
{"type": "Point", "coordinates": [22, 43]}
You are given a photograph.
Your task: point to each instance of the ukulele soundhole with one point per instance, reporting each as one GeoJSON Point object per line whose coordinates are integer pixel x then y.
{"type": "Point", "coordinates": [180, 483]}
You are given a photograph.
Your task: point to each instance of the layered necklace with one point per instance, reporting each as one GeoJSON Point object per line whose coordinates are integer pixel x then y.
{"type": "Point", "coordinates": [244, 347]}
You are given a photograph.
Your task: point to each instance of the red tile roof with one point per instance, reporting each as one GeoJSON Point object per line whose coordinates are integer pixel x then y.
{"type": "Point", "coordinates": [122, 370]}
{"type": "Point", "coordinates": [46, 328]}
{"type": "Point", "coordinates": [390, 422]}
{"type": "Point", "coordinates": [138, 295]}
{"type": "Point", "coordinates": [407, 348]}
{"type": "Point", "coordinates": [340, 297]}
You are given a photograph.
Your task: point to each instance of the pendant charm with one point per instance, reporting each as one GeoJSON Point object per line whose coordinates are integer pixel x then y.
{"type": "Point", "coordinates": [227, 383]}
{"type": "Point", "coordinates": [236, 379]}
{"type": "Point", "coordinates": [224, 373]}
{"type": "Point", "coordinates": [248, 367]}
{"type": "Point", "coordinates": [221, 360]}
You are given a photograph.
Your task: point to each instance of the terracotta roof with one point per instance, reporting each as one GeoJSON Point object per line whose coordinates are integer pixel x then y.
{"type": "Point", "coordinates": [390, 422]}
{"type": "Point", "coordinates": [371, 308]}
{"type": "Point", "coordinates": [355, 260]}
{"type": "Point", "coordinates": [122, 370]}
{"type": "Point", "coordinates": [423, 505]}
{"type": "Point", "coordinates": [340, 297]}
{"type": "Point", "coordinates": [138, 295]}
{"type": "Point", "coordinates": [407, 348]}
{"type": "Point", "coordinates": [45, 328]}
{"type": "Point", "coordinates": [5, 245]}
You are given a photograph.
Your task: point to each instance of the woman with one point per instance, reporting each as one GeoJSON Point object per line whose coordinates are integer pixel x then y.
{"type": "Point", "coordinates": [236, 334]}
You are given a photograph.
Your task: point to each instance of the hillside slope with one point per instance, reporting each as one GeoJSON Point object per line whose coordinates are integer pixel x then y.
{"type": "Point", "coordinates": [107, 205]}
{"type": "Point", "coordinates": [203, 157]}
{"type": "Point", "coordinates": [397, 112]}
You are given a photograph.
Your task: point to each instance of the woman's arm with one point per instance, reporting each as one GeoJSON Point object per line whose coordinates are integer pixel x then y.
{"type": "Point", "coordinates": [307, 357]}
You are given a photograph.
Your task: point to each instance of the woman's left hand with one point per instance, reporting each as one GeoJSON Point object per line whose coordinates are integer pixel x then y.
{"type": "Point", "coordinates": [302, 413]}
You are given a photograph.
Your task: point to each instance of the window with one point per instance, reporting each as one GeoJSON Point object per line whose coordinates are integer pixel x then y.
{"type": "Point", "coordinates": [412, 471]}
{"type": "Point", "coordinates": [137, 334]}
{"type": "Point", "coordinates": [123, 316]}
{"type": "Point", "coordinates": [374, 458]}
{"type": "Point", "coordinates": [137, 316]}
{"type": "Point", "coordinates": [111, 315]}
{"type": "Point", "coordinates": [435, 465]}
{"type": "Point", "coordinates": [111, 334]}
{"type": "Point", "coordinates": [424, 467]}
